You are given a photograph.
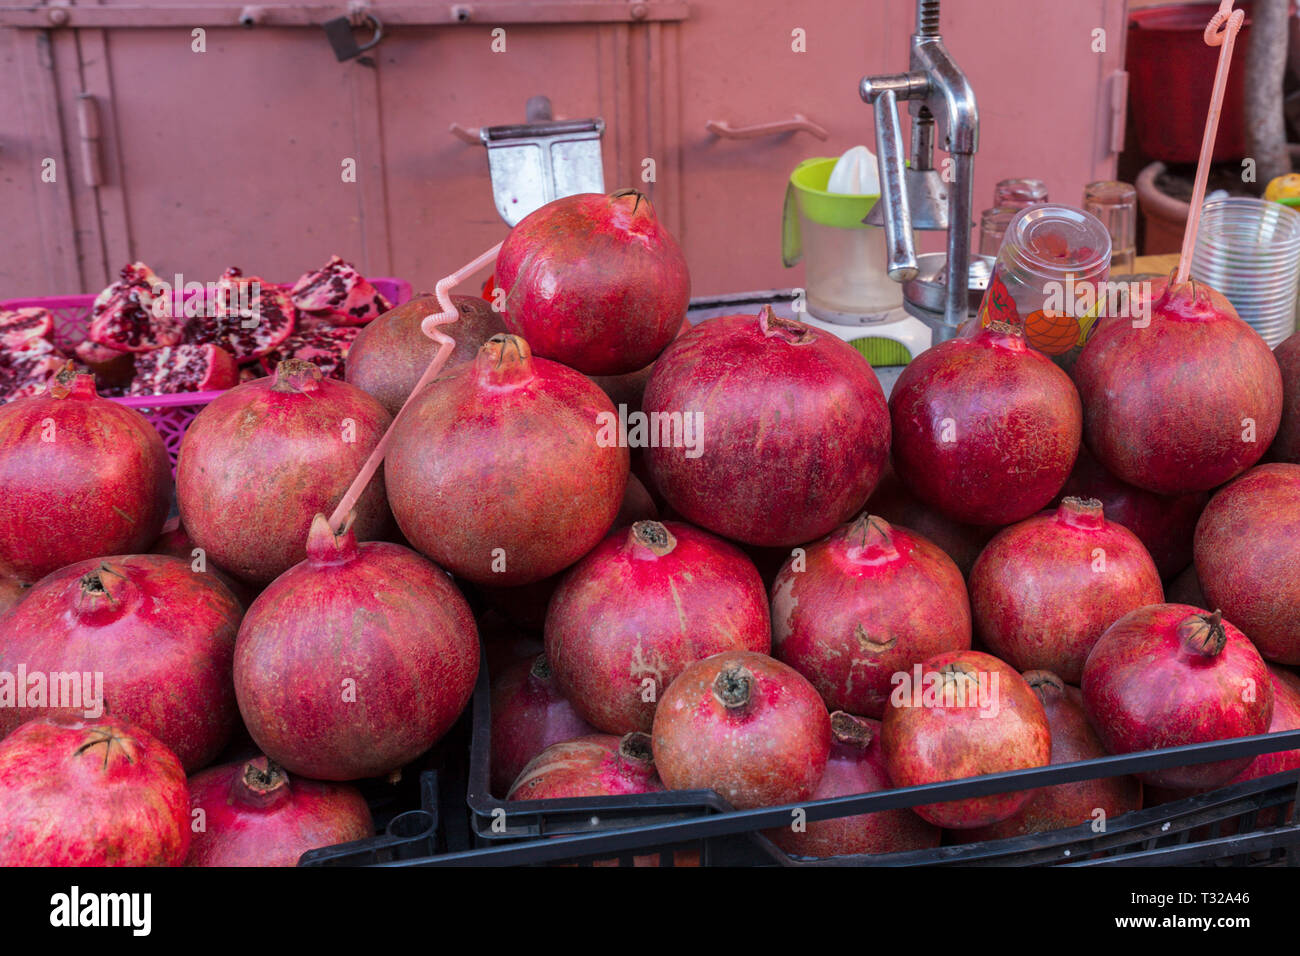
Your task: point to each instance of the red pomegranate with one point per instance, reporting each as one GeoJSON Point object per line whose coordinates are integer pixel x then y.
{"type": "Point", "coordinates": [184, 368]}
{"type": "Point", "coordinates": [325, 346]}
{"type": "Point", "coordinates": [1286, 446]}
{"type": "Point", "coordinates": [258, 462]}
{"type": "Point", "coordinates": [645, 603]}
{"type": "Point", "coordinates": [783, 429]}
{"type": "Point", "coordinates": [986, 429]}
{"type": "Point", "coordinates": [1163, 523]}
{"type": "Point", "coordinates": [1172, 674]}
{"type": "Point", "coordinates": [90, 793]}
{"type": "Point", "coordinates": [1184, 402]}
{"type": "Point", "coordinates": [254, 813]}
{"type": "Point", "coordinates": [1068, 804]}
{"type": "Point", "coordinates": [963, 714]}
{"type": "Point", "coordinates": [856, 765]}
{"type": "Point", "coordinates": [500, 471]}
{"type": "Point", "coordinates": [1045, 589]}
{"type": "Point", "coordinates": [140, 635]}
{"type": "Point", "coordinates": [1248, 558]}
{"type": "Point", "coordinates": [80, 477]}
{"type": "Point", "coordinates": [391, 353]}
{"type": "Point", "coordinates": [598, 765]}
{"type": "Point", "coordinates": [745, 725]}
{"type": "Point", "coordinates": [355, 661]}
{"type": "Point", "coordinates": [595, 282]}
{"type": "Point", "coordinates": [637, 504]}
{"type": "Point", "coordinates": [962, 542]}
{"type": "Point", "coordinates": [865, 603]}
{"type": "Point", "coordinates": [529, 713]}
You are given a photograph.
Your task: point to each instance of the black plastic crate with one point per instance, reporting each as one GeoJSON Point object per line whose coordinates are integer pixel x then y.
{"type": "Point", "coordinates": [1216, 828]}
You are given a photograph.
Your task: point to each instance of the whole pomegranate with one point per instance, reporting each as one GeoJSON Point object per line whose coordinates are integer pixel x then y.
{"type": "Point", "coordinates": [1066, 804]}
{"type": "Point", "coordinates": [355, 661]}
{"type": "Point", "coordinates": [1248, 558]}
{"type": "Point", "coordinates": [529, 713]}
{"type": "Point", "coordinates": [598, 765]}
{"type": "Point", "coordinates": [1172, 674]}
{"type": "Point", "coordinates": [784, 429]}
{"type": "Point", "coordinates": [745, 725]}
{"type": "Point", "coordinates": [391, 353]}
{"type": "Point", "coordinates": [1163, 523]}
{"type": "Point", "coordinates": [645, 603]}
{"type": "Point", "coordinates": [90, 793]}
{"type": "Point", "coordinates": [1045, 589]}
{"type": "Point", "coordinates": [856, 765]}
{"type": "Point", "coordinates": [986, 429]}
{"type": "Point", "coordinates": [863, 604]}
{"type": "Point", "coordinates": [142, 636]}
{"type": "Point", "coordinates": [254, 813]}
{"type": "Point", "coordinates": [80, 476]}
{"type": "Point", "coordinates": [1286, 446]}
{"type": "Point", "coordinates": [259, 461]}
{"type": "Point", "coordinates": [962, 542]}
{"type": "Point", "coordinates": [500, 472]}
{"type": "Point", "coordinates": [595, 282]}
{"type": "Point", "coordinates": [964, 714]}
{"type": "Point", "coordinates": [1184, 402]}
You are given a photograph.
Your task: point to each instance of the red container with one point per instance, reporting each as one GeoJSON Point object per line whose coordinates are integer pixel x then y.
{"type": "Point", "coordinates": [1171, 75]}
{"type": "Point", "coordinates": [170, 414]}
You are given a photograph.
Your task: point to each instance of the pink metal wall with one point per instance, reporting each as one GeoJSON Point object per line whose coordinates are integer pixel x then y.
{"type": "Point", "coordinates": [233, 156]}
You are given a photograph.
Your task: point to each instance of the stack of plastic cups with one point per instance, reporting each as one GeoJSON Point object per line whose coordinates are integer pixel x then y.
{"type": "Point", "coordinates": [1249, 250]}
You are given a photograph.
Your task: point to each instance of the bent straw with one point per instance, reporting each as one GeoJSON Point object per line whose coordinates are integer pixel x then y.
{"type": "Point", "coordinates": [429, 326]}
{"type": "Point", "coordinates": [1223, 35]}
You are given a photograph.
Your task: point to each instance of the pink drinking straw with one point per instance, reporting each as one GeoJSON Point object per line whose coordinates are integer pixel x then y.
{"type": "Point", "coordinates": [446, 345]}
{"type": "Point", "coordinates": [1221, 34]}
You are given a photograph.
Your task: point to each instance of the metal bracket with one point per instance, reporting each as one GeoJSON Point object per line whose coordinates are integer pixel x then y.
{"type": "Point", "coordinates": [339, 32]}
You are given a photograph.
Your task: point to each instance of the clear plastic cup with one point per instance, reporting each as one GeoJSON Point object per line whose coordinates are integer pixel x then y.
{"type": "Point", "coordinates": [1049, 277]}
{"type": "Point", "coordinates": [993, 227]}
{"type": "Point", "coordinates": [1115, 204]}
{"type": "Point", "coordinates": [1249, 250]}
{"type": "Point", "coordinates": [1019, 193]}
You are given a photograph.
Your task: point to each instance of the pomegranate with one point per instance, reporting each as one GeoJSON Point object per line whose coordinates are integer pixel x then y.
{"type": "Point", "coordinates": [1163, 523]}
{"type": "Point", "coordinates": [637, 504]}
{"type": "Point", "coordinates": [140, 635]}
{"type": "Point", "coordinates": [339, 293]}
{"type": "Point", "coordinates": [90, 793]}
{"type": "Point", "coordinates": [247, 317]}
{"type": "Point", "coordinates": [391, 353]}
{"type": "Point", "coordinates": [80, 476]}
{"type": "Point", "coordinates": [962, 542]}
{"type": "Point", "coordinates": [254, 813]}
{"type": "Point", "coordinates": [865, 603]}
{"type": "Point", "coordinates": [261, 459]}
{"type": "Point", "coordinates": [325, 346]}
{"type": "Point", "coordinates": [1172, 674]}
{"type": "Point", "coordinates": [1286, 446]}
{"type": "Point", "coordinates": [18, 327]}
{"type": "Point", "coordinates": [127, 316]}
{"type": "Point", "coordinates": [595, 282]}
{"type": "Point", "coordinates": [184, 368]}
{"type": "Point", "coordinates": [856, 765]}
{"type": "Point", "coordinates": [355, 661]}
{"type": "Point", "coordinates": [111, 368]}
{"type": "Point", "coordinates": [28, 371]}
{"type": "Point", "coordinates": [986, 429]}
{"type": "Point", "coordinates": [745, 725]}
{"type": "Point", "coordinates": [1067, 804]}
{"type": "Point", "coordinates": [1183, 403]}
{"type": "Point", "coordinates": [1045, 589]}
{"type": "Point", "coordinates": [646, 602]}
{"type": "Point", "coordinates": [598, 765]}
{"type": "Point", "coordinates": [964, 714]}
{"type": "Point", "coordinates": [1248, 556]}
{"type": "Point", "coordinates": [499, 470]}
{"type": "Point", "coordinates": [529, 713]}
{"type": "Point", "coordinates": [784, 429]}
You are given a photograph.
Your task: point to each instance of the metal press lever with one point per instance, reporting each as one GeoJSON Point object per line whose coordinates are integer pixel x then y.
{"type": "Point", "coordinates": [899, 244]}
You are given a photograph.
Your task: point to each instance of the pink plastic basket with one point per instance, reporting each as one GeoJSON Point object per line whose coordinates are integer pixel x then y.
{"type": "Point", "coordinates": [170, 414]}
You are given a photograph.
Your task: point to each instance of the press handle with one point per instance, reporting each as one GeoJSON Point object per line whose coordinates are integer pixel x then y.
{"type": "Point", "coordinates": [901, 249]}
